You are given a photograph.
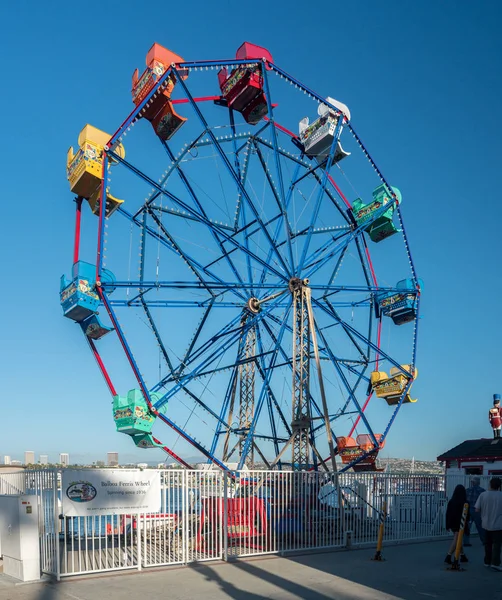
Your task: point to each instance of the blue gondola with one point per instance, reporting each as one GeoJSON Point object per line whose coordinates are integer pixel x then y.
{"type": "Point", "coordinates": [382, 227]}
{"type": "Point", "coordinates": [400, 306]}
{"type": "Point", "coordinates": [80, 300]}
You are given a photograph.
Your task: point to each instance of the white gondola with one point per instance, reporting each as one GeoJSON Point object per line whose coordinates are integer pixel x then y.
{"type": "Point", "coordinates": [317, 137]}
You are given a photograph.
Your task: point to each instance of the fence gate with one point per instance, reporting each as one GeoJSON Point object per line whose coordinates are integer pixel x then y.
{"type": "Point", "coordinates": [189, 526]}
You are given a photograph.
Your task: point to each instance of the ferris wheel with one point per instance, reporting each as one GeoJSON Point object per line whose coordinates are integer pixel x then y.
{"type": "Point", "coordinates": [228, 290]}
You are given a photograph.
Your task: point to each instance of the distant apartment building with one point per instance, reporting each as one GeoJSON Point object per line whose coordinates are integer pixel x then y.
{"type": "Point", "coordinates": [142, 465]}
{"type": "Point", "coordinates": [64, 459]}
{"type": "Point", "coordinates": [29, 457]}
{"type": "Point", "coordinates": [44, 459]}
{"type": "Point", "coordinates": [16, 463]}
{"type": "Point", "coordinates": [6, 460]}
{"type": "Point", "coordinates": [112, 459]}
{"type": "Point", "coordinates": [100, 463]}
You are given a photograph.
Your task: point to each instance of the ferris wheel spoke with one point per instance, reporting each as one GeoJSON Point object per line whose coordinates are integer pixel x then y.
{"type": "Point", "coordinates": [250, 270]}
{"type": "Point", "coordinates": [198, 216]}
{"type": "Point", "coordinates": [317, 260]}
{"type": "Point", "coordinates": [239, 363]}
{"type": "Point", "coordinates": [195, 265]}
{"type": "Point", "coordinates": [247, 235]}
{"type": "Point", "coordinates": [225, 253]}
{"type": "Point", "coordinates": [348, 332]}
{"type": "Point", "coordinates": [320, 194]}
{"type": "Point", "coordinates": [168, 241]}
{"type": "Point", "coordinates": [194, 339]}
{"type": "Point", "coordinates": [267, 308]}
{"type": "Point", "coordinates": [369, 273]}
{"type": "Point", "coordinates": [242, 171]}
{"type": "Point", "coordinates": [287, 225]}
{"type": "Point", "coordinates": [181, 156]}
{"type": "Point", "coordinates": [216, 352]}
{"type": "Point", "coordinates": [337, 266]}
{"type": "Point", "coordinates": [350, 391]}
{"type": "Point", "coordinates": [221, 336]}
{"type": "Point", "coordinates": [234, 175]}
{"type": "Point", "coordinates": [193, 195]}
{"type": "Point", "coordinates": [343, 410]}
{"type": "Point", "coordinates": [363, 338]}
{"type": "Point", "coordinates": [279, 196]}
{"type": "Point", "coordinates": [185, 379]}
{"type": "Point", "coordinates": [198, 400]}
{"type": "Point", "coordinates": [157, 335]}
{"type": "Point", "coordinates": [322, 261]}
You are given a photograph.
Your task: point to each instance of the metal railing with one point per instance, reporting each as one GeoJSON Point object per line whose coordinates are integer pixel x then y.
{"type": "Point", "coordinates": [12, 484]}
{"type": "Point", "coordinates": [208, 515]}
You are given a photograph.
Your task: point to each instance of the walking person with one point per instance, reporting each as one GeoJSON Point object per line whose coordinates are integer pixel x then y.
{"type": "Point", "coordinates": [489, 505]}
{"type": "Point", "coordinates": [453, 518]}
{"type": "Point", "coordinates": [473, 492]}
{"type": "Point", "coordinates": [495, 416]}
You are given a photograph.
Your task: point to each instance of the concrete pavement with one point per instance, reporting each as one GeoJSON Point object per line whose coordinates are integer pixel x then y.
{"type": "Point", "coordinates": [411, 572]}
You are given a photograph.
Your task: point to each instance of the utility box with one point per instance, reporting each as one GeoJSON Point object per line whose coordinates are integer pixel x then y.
{"type": "Point", "coordinates": [19, 537]}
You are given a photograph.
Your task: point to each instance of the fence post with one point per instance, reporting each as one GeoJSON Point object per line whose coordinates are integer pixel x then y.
{"type": "Point", "coordinates": [138, 538]}
{"type": "Point", "coordinates": [225, 517]}
{"type": "Point", "coordinates": [455, 566]}
{"type": "Point", "coordinates": [378, 555]}
{"type": "Point", "coordinates": [56, 519]}
{"type": "Point", "coordinates": [185, 496]}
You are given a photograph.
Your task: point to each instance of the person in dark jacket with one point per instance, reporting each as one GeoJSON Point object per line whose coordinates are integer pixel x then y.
{"type": "Point", "coordinates": [453, 518]}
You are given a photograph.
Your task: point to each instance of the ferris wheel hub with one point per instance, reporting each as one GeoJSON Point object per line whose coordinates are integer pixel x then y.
{"type": "Point", "coordinates": [295, 284]}
{"type": "Point", "coordinates": [253, 305]}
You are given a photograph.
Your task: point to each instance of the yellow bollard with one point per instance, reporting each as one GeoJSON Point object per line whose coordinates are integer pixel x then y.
{"type": "Point", "coordinates": [378, 555]}
{"type": "Point", "coordinates": [455, 566]}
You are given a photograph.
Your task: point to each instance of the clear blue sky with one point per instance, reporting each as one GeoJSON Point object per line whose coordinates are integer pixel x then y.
{"type": "Point", "coordinates": [423, 82]}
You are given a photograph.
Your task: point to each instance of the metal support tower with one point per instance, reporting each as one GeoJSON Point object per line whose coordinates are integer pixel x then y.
{"type": "Point", "coordinates": [300, 424]}
{"type": "Point", "coordinates": [247, 386]}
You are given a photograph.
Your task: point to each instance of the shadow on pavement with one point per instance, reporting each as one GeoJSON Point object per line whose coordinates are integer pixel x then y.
{"type": "Point", "coordinates": [410, 572]}
{"type": "Point", "coordinates": [225, 586]}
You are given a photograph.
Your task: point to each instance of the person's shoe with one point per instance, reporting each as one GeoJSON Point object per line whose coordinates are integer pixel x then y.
{"type": "Point", "coordinates": [468, 544]}
{"type": "Point", "coordinates": [487, 564]}
{"type": "Point", "coordinates": [496, 568]}
{"type": "Point", "coordinates": [447, 560]}
{"type": "Point", "coordinates": [463, 558]}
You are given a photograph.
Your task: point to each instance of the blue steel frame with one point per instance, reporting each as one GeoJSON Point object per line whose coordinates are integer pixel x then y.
{"type": "Point", "coordinates": [201, 357]}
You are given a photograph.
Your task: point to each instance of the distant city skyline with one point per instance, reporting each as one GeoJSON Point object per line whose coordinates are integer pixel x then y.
{"type": "Point", "coordinates": [81, 458]}
{"type": "Point", "coordinates": [112, 459]}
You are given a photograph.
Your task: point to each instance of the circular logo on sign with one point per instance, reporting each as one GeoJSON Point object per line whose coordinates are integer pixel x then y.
{"type": "Point", "coordinates": [81, 491]}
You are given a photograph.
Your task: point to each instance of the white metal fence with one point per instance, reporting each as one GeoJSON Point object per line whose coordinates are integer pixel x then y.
{"type": "Point", "coordinates": [208, 515]}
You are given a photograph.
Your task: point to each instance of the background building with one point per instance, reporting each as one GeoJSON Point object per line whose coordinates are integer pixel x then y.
{"type": "Point", "coordinates": [44, 459]}
{"type": "Point", "coordinates": [64, 459]}
{"type": "Point", "coordinates": [6, 460]}
{"type": "Point", "coordinates": [112, 459]}
{"type": "Point", "coordinates": [474, 457]}
{"type": "Point", "coordinates": [29, 457]}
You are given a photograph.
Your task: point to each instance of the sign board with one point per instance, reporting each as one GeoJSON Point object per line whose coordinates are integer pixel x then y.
{"type": "Point", "coordinates": [406, 502]}
{"type": "Point", "coordinates": [87, 492]}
